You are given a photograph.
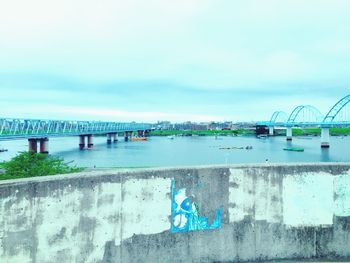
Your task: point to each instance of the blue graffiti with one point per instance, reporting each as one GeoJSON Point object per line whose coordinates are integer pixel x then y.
{"type": "Point", "coordinates": [185, 214]}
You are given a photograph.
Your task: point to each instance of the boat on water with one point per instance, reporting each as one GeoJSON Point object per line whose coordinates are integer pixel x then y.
{"type": "Point", "coordinates": [138, 139]}
{"type": "Point", "coordinates": [294, 149]}
{"type": "Point", "coordinates": [231, 148]}
{"type": "Point", "coordinates": [3, 150]}
{"type": "Point", "coordinates": [171, 137]}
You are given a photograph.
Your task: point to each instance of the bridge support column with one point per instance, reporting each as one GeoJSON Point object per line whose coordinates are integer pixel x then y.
{"type": "Point", "coordinates": [128, 136]}
{"type": "Point", "coordinates": [81, 142]}
{"type": "Point", "coordinates": [325, 137]}
{"type": "Point", "coordinates": [289, 134]}
{"type": "Point", "coordinates": [115, 137]}
{"type": "Point", "coordinates": [271, 130]}
{"type": "Point", "coordinates": [141, 133]}
{"type": "Point", "coordinates": [90, 141]}
{"type": "Point", "coordinates": [109, 138]}
{"type": "Point", "coordinates": [33, 145]}
{"type": "Point", "coordinates": [44, 145]}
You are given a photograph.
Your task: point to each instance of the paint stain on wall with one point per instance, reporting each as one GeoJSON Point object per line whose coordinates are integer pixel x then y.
{"type": "Point", "coordinates": [308, 199]}
{"type": "Point", "coordinates": [342, 195]}
{"type": "Point", "coordinates": [185, 213]}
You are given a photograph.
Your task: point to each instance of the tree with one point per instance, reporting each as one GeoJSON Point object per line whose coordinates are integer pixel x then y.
{"type": "Point", "coordinates": [28, 164]}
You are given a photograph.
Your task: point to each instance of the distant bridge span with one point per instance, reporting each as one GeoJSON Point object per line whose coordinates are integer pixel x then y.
{"type": "Point", "coordinates": [310, 116]}
{"type": "Point", "coordinates": [40, 130]}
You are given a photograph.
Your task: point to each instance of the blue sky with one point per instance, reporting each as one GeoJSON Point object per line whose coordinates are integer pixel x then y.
{"type": "Point", "coordinates": [181, 60]}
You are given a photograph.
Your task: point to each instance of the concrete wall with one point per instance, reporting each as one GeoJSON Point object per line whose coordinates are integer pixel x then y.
{"type": "Point", "coordinates": [208, 214]}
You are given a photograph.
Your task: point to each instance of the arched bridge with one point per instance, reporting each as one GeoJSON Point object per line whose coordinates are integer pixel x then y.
{"type": "Point", "coordinates": [310, 116]}
{"type": "Point", "coordinates": [40, 130]}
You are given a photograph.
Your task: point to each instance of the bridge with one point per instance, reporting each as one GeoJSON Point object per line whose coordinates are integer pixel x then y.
{"type": "Point", "coordinates": [310, 116]}
{"type": "Point", "coordinates": [39, 131]}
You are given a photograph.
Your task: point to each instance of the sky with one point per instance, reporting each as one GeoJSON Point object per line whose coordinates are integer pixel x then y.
{"type": "Point", "coordinates": [196, 60]}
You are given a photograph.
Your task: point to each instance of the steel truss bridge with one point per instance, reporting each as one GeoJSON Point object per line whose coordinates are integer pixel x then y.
{"type": "Point", "coordinates": [310, 116]}
{"type": "Point", "coordinates": [26, 128]}
{"type": "Point", "coordinates": [38, 131]}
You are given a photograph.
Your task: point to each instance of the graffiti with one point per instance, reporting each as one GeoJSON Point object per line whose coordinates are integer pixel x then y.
{"type": "Point", "coordinates": [185, 213]}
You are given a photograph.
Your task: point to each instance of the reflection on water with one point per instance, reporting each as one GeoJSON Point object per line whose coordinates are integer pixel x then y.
{"type": "Point", "coordinates": [161, 151]}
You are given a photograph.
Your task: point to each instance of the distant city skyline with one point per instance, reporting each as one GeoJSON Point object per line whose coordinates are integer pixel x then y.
{"type": "Point", "coordinates": [185, 60]}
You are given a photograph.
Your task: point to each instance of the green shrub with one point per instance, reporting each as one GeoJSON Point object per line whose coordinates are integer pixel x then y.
{"type": "Point", "coordinates": [28, 164]}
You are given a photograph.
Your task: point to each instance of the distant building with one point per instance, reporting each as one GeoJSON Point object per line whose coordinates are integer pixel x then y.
{"type": "Point", "coordinates": [188, 125]}
{"type": "Point", "coordinates": [163, 125]}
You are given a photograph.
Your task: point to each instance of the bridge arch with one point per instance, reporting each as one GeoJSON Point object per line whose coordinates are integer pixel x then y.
{"type": "Point", "coordinates": [278, 114]}
{"type": "Point", "coordinates": [308, 109]}
{"type": "Point", "coordinates": [334, 111]}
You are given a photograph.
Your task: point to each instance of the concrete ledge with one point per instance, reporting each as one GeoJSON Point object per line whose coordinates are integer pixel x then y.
{"type": "Point", "coordinates": [234, 213]}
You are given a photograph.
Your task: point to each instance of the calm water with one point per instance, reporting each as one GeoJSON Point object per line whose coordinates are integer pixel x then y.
{"type": "Point", "coordinates": [161, 151]}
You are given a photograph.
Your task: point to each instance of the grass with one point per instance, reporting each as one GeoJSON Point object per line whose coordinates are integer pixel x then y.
{"type": "Point", "coordinates": [296, 132]}
{"type": "Point", "coordinates": [317, 132]}
{"type": "Point", "coordinates": [201, 132]}
{"type": "Point", "coordinates": [28, 164]}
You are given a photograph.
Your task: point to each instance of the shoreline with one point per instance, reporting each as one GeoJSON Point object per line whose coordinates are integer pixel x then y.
{"type": "Point", "coordinates": [310, 132]}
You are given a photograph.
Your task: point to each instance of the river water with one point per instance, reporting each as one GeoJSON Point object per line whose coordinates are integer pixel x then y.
{"type": "Point", "coordinates": [184, 151]}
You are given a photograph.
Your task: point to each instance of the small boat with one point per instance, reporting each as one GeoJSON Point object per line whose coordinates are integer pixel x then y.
{"type": "Point", "coordinates": [294, 149]}
{"type": "Point", "coordinates": [3, 150]}
{"type": "Point", "coordinates": [138, 139]}
{"type": "Point", "coordinates": [231, 148]}
{"type": "Point", "coordinates": [171, 137]}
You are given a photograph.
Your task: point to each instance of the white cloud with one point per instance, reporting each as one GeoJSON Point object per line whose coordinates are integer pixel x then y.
{"type": "Point", "coordinates": [207, 45]}
{"type": "Point", "coordinates": [43, 111]}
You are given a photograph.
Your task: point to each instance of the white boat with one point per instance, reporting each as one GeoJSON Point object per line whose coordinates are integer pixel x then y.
{"type": "Point", "coordinates": [171, 137]}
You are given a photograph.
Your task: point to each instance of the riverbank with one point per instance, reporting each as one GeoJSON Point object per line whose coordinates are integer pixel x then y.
{"type": "Point", "coordinates": [202, 132]}
{"type": "Point", "coordinates": [244, 132]}
{"type": "Point", "coordinates": [317, 132]}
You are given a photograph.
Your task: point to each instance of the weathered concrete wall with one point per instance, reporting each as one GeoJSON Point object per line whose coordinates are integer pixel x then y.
{"type": "Point", "coordinates": [207, 214]}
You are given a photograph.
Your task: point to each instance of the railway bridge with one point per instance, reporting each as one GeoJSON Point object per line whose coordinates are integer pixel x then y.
{"type": "Point", "coordinates": [39, 131]}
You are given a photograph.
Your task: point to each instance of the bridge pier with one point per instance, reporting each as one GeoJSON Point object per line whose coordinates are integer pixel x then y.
{"type": "Point", "coordinates": [81, 142]}
{"type": "Point", "coordinates": [33, 145]}
{"type": "Point", "coordinates": [127, 136]}
{"type": "Point", "coordinates": [141, 133]}
{"type": "Point", "coordinates": [44, 145]}
{"type": "Point", "coordinates": [109, 138]}
{"type": "Point", "coordinates": [90, 141]}
{"type": "Point", "coordinates": [115, 137]}
{"type": "Point", "coordinates": [324, 137]}
{"type": "Point", "coordinates": [289, 134]}
{"type": "Point", "coordinates": [271, 130]}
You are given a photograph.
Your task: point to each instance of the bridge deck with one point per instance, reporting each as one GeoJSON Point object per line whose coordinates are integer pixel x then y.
{"type": "Point", "coordinates": [11, 129]}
